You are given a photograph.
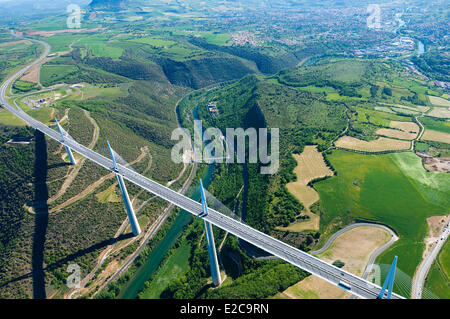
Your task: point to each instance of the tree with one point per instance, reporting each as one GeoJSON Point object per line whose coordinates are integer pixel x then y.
{"type": "Point", "coordinates": [387, 91]}
{"type": "Point", "coordinates": [374, 90]}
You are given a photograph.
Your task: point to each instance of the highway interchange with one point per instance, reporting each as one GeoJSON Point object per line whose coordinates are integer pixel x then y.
{"type": "Point", "coordinates": [305, 261]}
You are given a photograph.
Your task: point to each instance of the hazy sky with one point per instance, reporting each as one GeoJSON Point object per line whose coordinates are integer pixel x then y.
{"type": "Point", "coordinates": [44, 1]}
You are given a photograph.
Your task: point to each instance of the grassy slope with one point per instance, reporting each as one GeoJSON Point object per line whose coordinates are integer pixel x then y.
{"type": "Point", "coordinates": [55, 73]}
{"type": "Point", "coordinates": [61, 43]}
{"type": "Point", "coordinates": [438, 279]}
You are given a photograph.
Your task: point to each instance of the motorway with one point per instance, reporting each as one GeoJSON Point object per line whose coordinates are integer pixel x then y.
{"type": "Point", "coordinates": [424, 267]}
{"type": "Point", "coordinates": [305, 261]}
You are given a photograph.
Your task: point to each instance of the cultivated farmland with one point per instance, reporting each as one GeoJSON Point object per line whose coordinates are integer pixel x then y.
{"type": "Point", "coordinates": [431, 135]}
{"type": "Point", "coordinates": [380, 145]}
{"type": "Point", "coordinates": [310, 166]}
{"type": "Point", "coordinates": [438, 101]}
{"type": "Point", "coordinates": [440, 112]}
{"type": "Point", "coordinates": [401, 130]}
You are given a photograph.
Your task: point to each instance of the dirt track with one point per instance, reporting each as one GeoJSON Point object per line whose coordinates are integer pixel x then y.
{"type": "Point", "coordinates": [92, 187]}
{"type": "Point", "coordinates": [73, 174]}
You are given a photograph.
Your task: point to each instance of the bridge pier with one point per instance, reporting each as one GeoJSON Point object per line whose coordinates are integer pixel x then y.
{"type": "Point", "coordinates": [135, 228]}
{"type": "Point", "coordinates": [389, 281]}
{"type": "Point", "coordinates": [70, 154]}
{"type": "Point", "coordinates": [213, 261]}
{"type": "Point", "coordinates": [68, 150]}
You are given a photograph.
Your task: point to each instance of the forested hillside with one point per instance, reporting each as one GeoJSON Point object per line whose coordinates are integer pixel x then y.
{"type": "Point", "coordinates": [302, 119]}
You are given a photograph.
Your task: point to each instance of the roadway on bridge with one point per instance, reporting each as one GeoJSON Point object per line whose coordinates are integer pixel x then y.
{"type": "Point", "coordinates": [315, 266]}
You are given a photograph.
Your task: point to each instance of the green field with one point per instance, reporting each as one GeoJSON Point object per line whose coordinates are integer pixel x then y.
{"type": "Point", "coordinates": [413, 85]}
{"type": "Point", "coordinates": [175, 266]}
{"type": "Point", "coordinates": [9, 119]}
{"type": "Point", "coordinates": [314, 89]}
{"type": "Point", "coordinates": [217, 38]}
{"type": "Point", "coordinates": [89, 91]}
{"type": "Point", "coordinates": [173, 49]}
{"type": "Point", "coordinates": [377, 118]}
{"type": "Point", "coordinates": [100, 49]}
{"type": "Point", "coordinates": [42, 115]}
{"type": "Point", "coordinates": [393, 189]}
{"type": "Point", "coordinates": [436, 125]}
{"type": "Point", "coordinates": [347, 71]}
{"type": "Point", "coordinates": [51, 74]}
{"type": "Point", "coordinates": [24, 86]}
{"type": "Point", "coordinates": [438, 279]}
{"type": "Point", "coordinates": [156, 42]}
{"type": "Point", "coordinates": [60, 43]}
{"type": "Point", "coordinates": [101, 45]}
{"type": "Point", "coordinates": [422, 147]}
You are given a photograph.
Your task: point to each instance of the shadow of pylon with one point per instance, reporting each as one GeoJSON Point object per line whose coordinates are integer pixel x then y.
{"type": "Point", "coordinates": [41, 217]}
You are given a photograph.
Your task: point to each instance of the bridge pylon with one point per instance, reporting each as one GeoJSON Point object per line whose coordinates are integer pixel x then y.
{"type": "Point", "coordinates": [389, 281]}
{"type": "Point", "coordinates": [135, 228]}
{"type": "Point", "coordinates": [68, 150]}
{"type": "Point", "coordinates": [213, 261]}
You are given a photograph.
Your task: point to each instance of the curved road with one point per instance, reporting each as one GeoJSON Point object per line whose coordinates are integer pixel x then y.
{"type": "Point", "coordinates": [343, 230]}
{"type": "Point", "coordinates": [356, 285]}
{"type": "Point", "coordinates": [377, 252]}
{"type": "Point", "coordinates": [419, 136]}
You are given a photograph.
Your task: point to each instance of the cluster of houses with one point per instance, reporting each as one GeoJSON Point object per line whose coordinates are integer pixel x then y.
{"type": "Point", "coordinates": [244, 37]}
{"type": "Point", "coordinates": [213, 110]}
{"type": "Point", "coordinates": [412, 69]}
{"type": "Point", "coordinates": [397, 47]}
{"type": "Point", "coordinates": [441, 84]}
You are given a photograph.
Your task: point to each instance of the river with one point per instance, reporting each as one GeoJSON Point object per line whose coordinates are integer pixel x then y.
{"type": "Point", "coordinates": [151, 264]}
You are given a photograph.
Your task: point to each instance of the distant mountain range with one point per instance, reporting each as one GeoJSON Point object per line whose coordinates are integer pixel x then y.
{"type": "Point", "coordinates": [16, 11]}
